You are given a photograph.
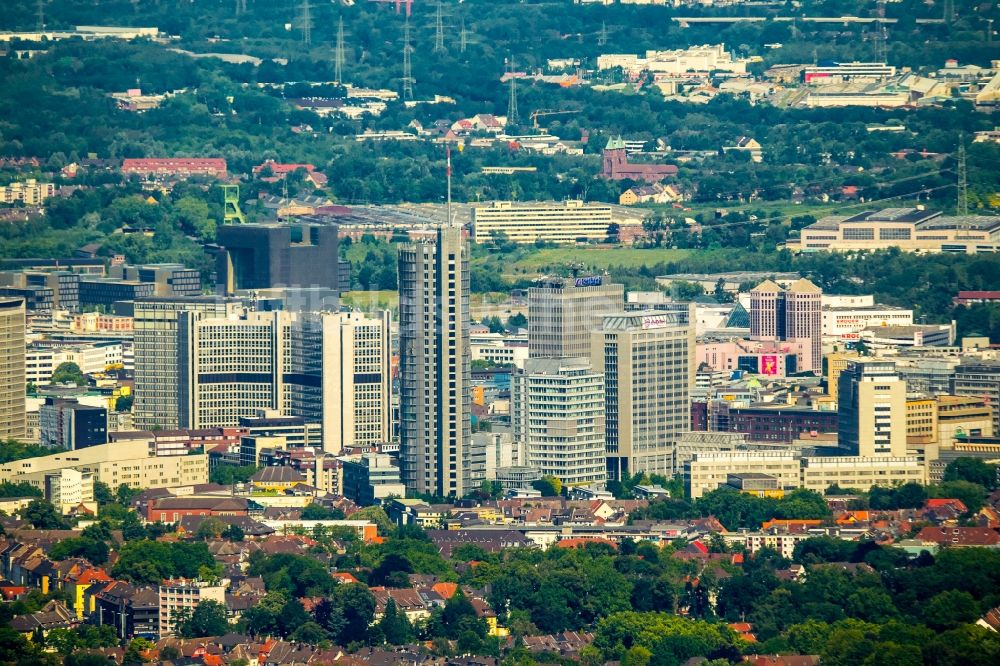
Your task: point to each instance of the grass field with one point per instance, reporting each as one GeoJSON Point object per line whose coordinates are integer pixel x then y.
{"type": "Point", "coordinates": [366, 300]}
{"type": "Point", "coordinates": [594, 258]}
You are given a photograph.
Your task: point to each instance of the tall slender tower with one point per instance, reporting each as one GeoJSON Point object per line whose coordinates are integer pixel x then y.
{"type": "Point", "coordinates": [338, 54]}
{"type": "Point", "coordinates": [439, 31]}
{"type": "Point", "coordinates": [512, 100]}
{"type": "Point", "coordinates": [602, 38]}
{"type": "Point", "coordinates": [962, 207]}
{"type": "Point", "coordinates": [306, 22]}
{"type": "Point", "coordinates": [435, 365]}
{"type": "Point", "coordinates": [407, 72]}
{"type": "Point", "coordinates": [463, 37]}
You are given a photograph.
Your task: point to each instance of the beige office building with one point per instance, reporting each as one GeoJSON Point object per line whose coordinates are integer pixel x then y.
{"type": "Point", "coordinates": [707, 470]}
{"type": "Point", "coordinates": [648, 359]}
{"type": "Point", "coordinates": [359, 353]}
{"type": "Point", "coordinates": [435, 365]}
{"type": "Point", "coordinates": [861, 472]}
{"type": "Point", "coordinates": [872, 410]}
{"type": "Point", "coordinates": [563, 313]}
{"type": "Point", "coordinates": [181, 595]}
{"type": "Point", "coordinates": [558, 419]}
{"type": "Point", "coordinates": [131, 462]}
{"type": "Point", "coordinates": [156, 355]}
{"type": "Point", "coordinates": [13, 420]}
{"type": "Point", "coordinates": [959, 415]}
{"type": "Point", "coordinates": [836, 363]}
{"type": "Point", "coordinates": [566, 222]}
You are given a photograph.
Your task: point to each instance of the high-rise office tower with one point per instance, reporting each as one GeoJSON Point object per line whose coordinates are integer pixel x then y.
{"type": "Point", "coordinates": [791, 315]}
{"type": "Point", "coordinates": [558, 418]}
{"type": "Point", "coordinates": [156, 352]}
{"type": "Point", "coordinates": [361, 357]}
{"type": "Point", "coordinates": [13, 421]}
{"type": "Point", "coordinates": [330, 368]}
{"type": "Point", "coordinates": [648, 359]}
{"type": "Point", "coordinates": [435, 365]}
{"type": "Point", "coordinates": [871, 409]}
{"type": "Point", "coordinates": [563, 312]}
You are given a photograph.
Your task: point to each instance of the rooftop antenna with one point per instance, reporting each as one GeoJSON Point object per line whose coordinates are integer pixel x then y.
{"type": "Point", "coordinates": [306, 23]}
{"type": "Point", "coordinates": [338, 54]}
{"type": "Point", "coordinates": [438, 30]}
{"type": "Point", "coordinates": [407, 73]}
{"type": "Point", "coordinates": [962, 207]}
{"type": "Point", "coordinates": [512, 101]}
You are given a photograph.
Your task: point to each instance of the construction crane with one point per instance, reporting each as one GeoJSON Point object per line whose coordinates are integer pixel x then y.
{"type": "Point", "coordinates": [540, 113]}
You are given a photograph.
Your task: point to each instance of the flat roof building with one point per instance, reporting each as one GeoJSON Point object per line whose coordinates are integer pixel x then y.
{"type": "Point", "coordinates": [909, 229]}
{"type": "Point", "coordinates": [567, 222]}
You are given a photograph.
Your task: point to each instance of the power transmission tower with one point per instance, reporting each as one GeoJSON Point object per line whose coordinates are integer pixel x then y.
{"type": "Point", "coordinates": [438, 31]}
{"type": "Point", "coordinates": [512, 101]}
{"type": "Point", "coordinates": [962, 208]}
{"type": "Point", "coordinates": [41, 15]}
{"type": "Point", "coordinates": [463, 37]}
{"type": "Point", "coordinates": [407, 73]}
{"type": "Point", "coordinates": [949, 11]}
{"type": "Point", "coordinates": [880, 35]}
{"type": "Point", "coordinates": [306, 23]}
{"type": "Point", "coordinates": [602, 38]}
{"type": "Point", "coordinates": [338, 53]}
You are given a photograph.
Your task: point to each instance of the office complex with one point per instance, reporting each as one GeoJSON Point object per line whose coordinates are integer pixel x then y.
{"type": "Point", "coordinates": [566, 222]}
{"type": "Point", "coordinates": [871, 410]}
{"type": "Point", "coordinates": [435, 365]}
{"type": "Point", "coordinates": [327, 368]}
{"type": "Point", "coordinates": [267, 256]}
{"type": "Point", "coordinates": [156, 355]}
{"type": "Point", "coordinates": [13, 421]}
{"type": "Point", "coordinates": [67, 424]}
{"type": "Point", "coordinates": [558, 418]}
{"type": "Point", "coordinates": [909, 229]}
{"type": "Point", "coordinates": [43, 291]}
{"type": "Point", "coordinates": [793, 315]}
{"type": "Point", "coordinates": [130, 462]}
{"type": "Point", "coordinates": [167, 279]}
{"type": "Point", "coordinates": [564, 312]}
{"type": "Point", "coordinates": [648, 364]}
{"type": "Point", "coordinates": [103, 293]}
{"type": "Point", "coordinates": [980, 379]}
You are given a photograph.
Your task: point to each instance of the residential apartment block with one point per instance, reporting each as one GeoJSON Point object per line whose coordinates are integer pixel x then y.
{"type": "Point", "coordinates": [558, 419]}
{"type": "Point", "coordinates": [30, 192]}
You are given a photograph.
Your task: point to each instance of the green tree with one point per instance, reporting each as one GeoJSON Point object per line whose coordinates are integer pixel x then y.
{"type": "Point", "coordinates": [68, 372]}
{"type": "Point", "coordinates": [43, 516]}
{"type": "Point", "coordinates": [549, 486]}
{"type": "Point", "coordinates": [972, 470]}
{"type": "Point", "coordinates": [137, 648]}
{"type": "Point", "coordinates": [395, 626]}
{"type": "Point", "coordinates": [207, 619]}
{"type": "Point", "coordinates": [950, 609]}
